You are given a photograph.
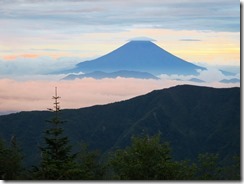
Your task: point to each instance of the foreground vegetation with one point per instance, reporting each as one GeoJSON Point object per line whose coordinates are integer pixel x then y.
{"type": "Point", "coordinates": [192, 119]}
{"type": "Point", "coordinates": [145, 159]}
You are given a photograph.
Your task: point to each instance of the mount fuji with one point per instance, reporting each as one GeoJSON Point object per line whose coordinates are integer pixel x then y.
{"type": "Point", "coordinates": [138, 56]}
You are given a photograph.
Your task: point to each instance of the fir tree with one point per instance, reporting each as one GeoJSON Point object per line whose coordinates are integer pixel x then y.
{"type": "Point", "coordinates": [57, 161]}
{"type": "Point", "coordinates": [10, 161]}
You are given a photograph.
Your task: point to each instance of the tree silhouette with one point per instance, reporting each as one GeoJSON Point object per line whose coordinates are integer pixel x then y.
{"type": "Point", "coordinates": [10, 161]}
{"type": "Point", "coordinates": [148, 159]}
{"type": "Point", "coordinates": [57, 161]}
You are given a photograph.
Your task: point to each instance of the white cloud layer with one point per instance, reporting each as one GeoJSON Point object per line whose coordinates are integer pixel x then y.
{"type": "Point", "coordinates": [24, 85]}
{"type": "Point", "coordinates": [36, 95]}
{"type": "Point", "coordinates": [36, 66]}
{"type": "Point", "coordinates": [210, 75]}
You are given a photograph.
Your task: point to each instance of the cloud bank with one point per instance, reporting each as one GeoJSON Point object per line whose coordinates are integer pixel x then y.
{"type": "Point", "coordinates": [85, 16]}
{"type": "Point", "coordinates": [210, 75]}
{"type": "Point", "coordinates": [36, 95]}
{"type": "Point", "coordinates": [25, 85]}
{"type": "Point", "coordinates": [34, 66]}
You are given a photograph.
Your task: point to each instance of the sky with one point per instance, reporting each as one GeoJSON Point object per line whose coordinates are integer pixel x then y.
{"type": "Point", "coordinates": [198, 31]}
{"type": "Point", "coordinates": [39, 37]}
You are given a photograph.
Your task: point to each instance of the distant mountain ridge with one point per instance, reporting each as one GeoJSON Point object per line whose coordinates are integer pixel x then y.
{"type": "Point", "coordinates": [233, 80]}
{"type": "Point", "coordinates": [196, 80]}
{"type": "Point", "coordinates": [140, 56]}
{"type": "Point", "coordinates": [102, 75]}
{"type": "Point", "coordinates": [192, 119]}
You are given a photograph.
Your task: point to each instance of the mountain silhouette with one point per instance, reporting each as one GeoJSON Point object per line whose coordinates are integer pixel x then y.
{"type": "Point", "coordinates": [233, 80]}
{"type": "Point", "coordinates": [196, 80]}
{"type": "Point", "coordinates": [226, 73]}
{"type": "Point", "coordinates": [192, 119]}
{"type": "Point", "coordinates": [102, 75]}
{"type": "Point", "coordinates": [140, 56]}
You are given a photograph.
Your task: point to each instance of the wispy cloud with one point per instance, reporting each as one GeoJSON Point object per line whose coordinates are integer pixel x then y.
{"type": "Point", "coordinates": [82, 16]}
{"type": "Point", "coordinates": [210, 75]}
{"type": "Point", "coordinates": [190, 40]}
{"type": "Point", "coordinates": [31, 65]}
{"type": "Point", "coordinates": [56, 50]}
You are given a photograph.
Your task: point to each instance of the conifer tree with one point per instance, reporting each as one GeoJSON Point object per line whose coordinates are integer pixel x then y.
{"type": "Point", "coordinates": [57, 161]}
{"type": "Point", "coordinates": [10, 161]}
{"type": "Point", "coordinates": [88, 163]}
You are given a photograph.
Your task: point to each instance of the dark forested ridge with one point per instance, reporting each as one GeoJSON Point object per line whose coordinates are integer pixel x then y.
{"type": "Point", "coordinates": [192, 119]}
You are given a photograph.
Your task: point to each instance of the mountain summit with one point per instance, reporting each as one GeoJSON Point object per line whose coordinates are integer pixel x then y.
{"type": "Point", "coordinates": [139, 56]}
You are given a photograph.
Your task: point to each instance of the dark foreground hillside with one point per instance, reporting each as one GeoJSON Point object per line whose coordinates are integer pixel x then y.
{"type": "Point", "coordinates": [192, 119]}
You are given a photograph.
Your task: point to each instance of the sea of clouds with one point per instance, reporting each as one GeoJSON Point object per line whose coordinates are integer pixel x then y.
{"type": "Point", "coordinates": [27, 84]}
